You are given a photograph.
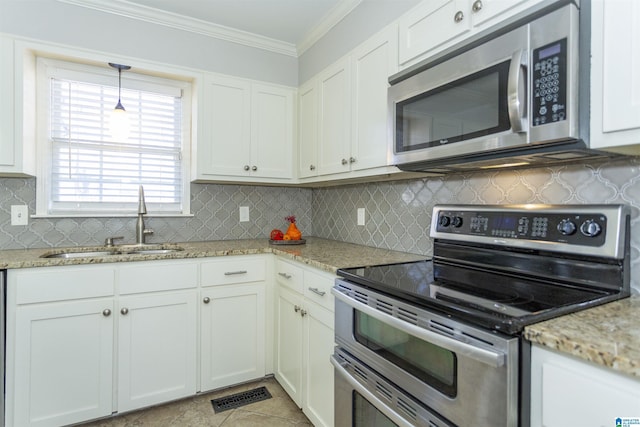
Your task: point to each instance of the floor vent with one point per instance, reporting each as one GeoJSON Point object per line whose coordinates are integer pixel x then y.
{"type": "Point", "coordinates": [240, 399]}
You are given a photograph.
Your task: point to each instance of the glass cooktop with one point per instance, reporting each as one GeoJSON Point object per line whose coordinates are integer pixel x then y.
{"type": "Point", "coordinates": [497, 301]}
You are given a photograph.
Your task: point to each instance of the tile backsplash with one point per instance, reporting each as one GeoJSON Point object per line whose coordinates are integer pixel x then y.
{"type": "Point", "coordinates": [397, 213]}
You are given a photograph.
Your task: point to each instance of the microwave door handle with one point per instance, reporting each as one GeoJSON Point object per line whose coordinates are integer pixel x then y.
{"type": "Point", "coordinates": [517, 101]}
{"type": "Point", "coordinates": [487, 357]}
{"type": "Point", "coordinates": [379, 404]}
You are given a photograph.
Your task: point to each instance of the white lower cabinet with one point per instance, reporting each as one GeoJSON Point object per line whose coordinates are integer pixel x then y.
{"type": "Point", "coordinates": [567, 391]}
{"type": "Point", "coordinates": [156, 348]}
{"type": "Point", "coordinates": [305, 339]}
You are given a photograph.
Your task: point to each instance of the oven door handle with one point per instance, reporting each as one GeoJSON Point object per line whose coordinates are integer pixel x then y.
{"type": "Point", "coordinates": [372, 398]}
{"type": "Point", "coordinates": [488, 357]}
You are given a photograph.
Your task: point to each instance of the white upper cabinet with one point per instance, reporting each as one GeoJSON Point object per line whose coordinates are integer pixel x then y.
{"type": "Point", "coordinates": [308, 129]}
{"type": "Point", "coordinates": [615, 76]}
{"type": "Point", "coordinates": [434, 25]}
{"type": "Point", "coordinates": [17, 122]}
{"type": "Point", "coordinates": [246, 131]}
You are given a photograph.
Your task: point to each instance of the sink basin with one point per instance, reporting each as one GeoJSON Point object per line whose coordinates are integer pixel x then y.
{"type": "Point", "coordinates": [74, 253]}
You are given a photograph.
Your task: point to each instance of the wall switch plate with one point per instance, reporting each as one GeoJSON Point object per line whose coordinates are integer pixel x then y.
{"type": "Point", "coordinates": [19, 215]}
{"type": "Point", "coordinates": [244, 213]}
{"type": "Point", "coordinates": [360, 216]}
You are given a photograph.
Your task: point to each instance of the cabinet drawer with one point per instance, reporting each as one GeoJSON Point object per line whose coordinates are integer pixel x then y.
{"type": "Point", "coordinates": [230, 270]}
{"type": "Point", "coordinates": [61, 283]}
{"type": "Point", "coordinates": [157, 276]}
{"type": "Point", "coordinates": [289, 275]}
{"type": "Point", "coordinates": [317, 288]}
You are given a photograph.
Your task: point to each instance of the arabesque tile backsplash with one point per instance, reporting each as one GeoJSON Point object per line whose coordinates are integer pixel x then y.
{"type": "Point", "coordinates": [398, 213]}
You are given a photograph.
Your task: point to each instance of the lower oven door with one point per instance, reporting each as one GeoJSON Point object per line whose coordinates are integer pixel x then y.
{"type": "Point", "coordinates": [365, 399]}
{"type": "Point", "coordinates": [467, 375]}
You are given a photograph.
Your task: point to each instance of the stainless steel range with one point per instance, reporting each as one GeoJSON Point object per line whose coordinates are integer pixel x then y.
{"type": "Point", "coordinates": [438, 342]}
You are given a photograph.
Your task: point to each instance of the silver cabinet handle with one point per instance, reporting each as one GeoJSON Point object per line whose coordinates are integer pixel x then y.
{"type": "Point", "coordinates": [254, 168]}
{"type": "Point", "coordinates": [206, 300]}
{"type": "Point", "coordinates": [285, 275]}
{"type": "Point", "coordinates": [458, 17]}
{"type": "Point", "coordinates": [352, 159]}
{"type": "Point", "coordinates": [312, 167]}
{"type": "Point", "coordinates": [106, 312]}
{"type": "Point", "coordinates": [233, 273]}
{"type": "Point", "coordinates": [344, 161]}
{"type": "Point", "coordinates": [303, 313]}
{"type": "Point", "coordinates": [477, 6]}
{"type": "Point", "coordinates": [246, 167]}
{"type": "Point", "coordinates": [317, 291]}
{"type": "Point", "coordinates": [124, 311]}
{"type": "Point", "coordinates": [296, 308]}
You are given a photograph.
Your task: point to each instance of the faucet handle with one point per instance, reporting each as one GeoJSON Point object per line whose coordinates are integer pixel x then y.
{"type": "Point", "coordinates": [147, 231]}
{"type": "Point", "coordinates": [109, 240]}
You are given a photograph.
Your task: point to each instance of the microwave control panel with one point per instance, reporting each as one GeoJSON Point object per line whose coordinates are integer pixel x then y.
{"type": "Point", "coordinates": [549, 83]}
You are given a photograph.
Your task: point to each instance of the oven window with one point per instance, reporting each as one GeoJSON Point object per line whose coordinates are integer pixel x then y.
{"type": "Point", "coordinates": [467, 108]}
{"type": "Point", "coordinates": [430, 363]}
{"type": "Point", "coordinates": [367, 415]}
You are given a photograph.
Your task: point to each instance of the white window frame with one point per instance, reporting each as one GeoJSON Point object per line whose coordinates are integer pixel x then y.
{"type": "Point", "coordinates": [46, 68]}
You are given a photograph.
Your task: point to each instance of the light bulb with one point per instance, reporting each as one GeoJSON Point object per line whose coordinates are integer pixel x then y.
{"type": "Point", "coordinates": [119, 124]}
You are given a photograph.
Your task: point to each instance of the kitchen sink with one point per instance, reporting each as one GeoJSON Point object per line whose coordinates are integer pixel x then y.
{"type": "Point", "coordinates": [74, 253]}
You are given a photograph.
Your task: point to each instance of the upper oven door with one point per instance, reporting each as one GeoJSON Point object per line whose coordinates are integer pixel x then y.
{"type": "Point", "coordinates": [513, 91]}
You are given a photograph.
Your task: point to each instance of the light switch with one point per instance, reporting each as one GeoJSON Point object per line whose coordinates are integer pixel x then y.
{"type": "Point", "coordinates": [19, 215]}
{"type": "Point", "coordinates": [244, 213]}
{"type": "Point", "coordinates": [361, 216]}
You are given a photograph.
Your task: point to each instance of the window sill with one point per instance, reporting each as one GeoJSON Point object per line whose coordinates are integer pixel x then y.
{"type": "Point", "coordinates": [110, 215]}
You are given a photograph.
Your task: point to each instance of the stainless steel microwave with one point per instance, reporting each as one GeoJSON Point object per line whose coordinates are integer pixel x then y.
{"type": "Point", "coordinates": [510, 98]}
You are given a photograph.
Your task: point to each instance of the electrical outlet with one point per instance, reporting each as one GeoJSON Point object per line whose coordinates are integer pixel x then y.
{"type": "Point", "coordinates": [19, 215]}
{"type": "Point", "coordinates": [244, 213]}
{"type": "Point", "coordinates": [361, 216]}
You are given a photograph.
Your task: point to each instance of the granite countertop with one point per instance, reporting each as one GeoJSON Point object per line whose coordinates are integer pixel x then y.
{"type": "Point", "coordinates": [327, 255]}
{"type": "Point", "coordinates": [607, 335]}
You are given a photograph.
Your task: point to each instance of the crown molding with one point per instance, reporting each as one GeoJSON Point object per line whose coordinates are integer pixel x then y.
{"type": "Point", "coordinates": [173, 20]}
{"type": "Point", "coordinates": [335, 15]}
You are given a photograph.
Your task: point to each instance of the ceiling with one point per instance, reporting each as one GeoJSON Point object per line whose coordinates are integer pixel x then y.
{"type": "Point", "coordinates": [288, 26]}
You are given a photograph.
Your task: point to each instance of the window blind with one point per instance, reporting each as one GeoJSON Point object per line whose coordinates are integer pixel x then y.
{"type": "Point", "coordinates": [93, 172]}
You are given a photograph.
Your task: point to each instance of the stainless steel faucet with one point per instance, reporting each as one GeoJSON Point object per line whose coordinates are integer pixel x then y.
{"type": "Point", "coordinates": [141, 231]}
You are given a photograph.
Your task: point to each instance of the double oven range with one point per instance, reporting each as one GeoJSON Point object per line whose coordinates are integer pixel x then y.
{"type": "Point", "coordinates": [439, 342]}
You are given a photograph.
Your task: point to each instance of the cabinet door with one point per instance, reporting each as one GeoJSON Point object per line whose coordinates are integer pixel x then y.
{"type": "Point", "coordinates": [288, 370]}
{"type": "Point", "coordinates": [489, 12]}
{"type": "Point", "coordinates": [7, 87]}
{"type": "Point", "coordinates": [224, 145]}
{"type": "Point", "coordinates": [232, 344]}
{"type": "Point", "coordinates": [373, 63]}
{"type": "Point", "coordinates": [272, 131]}
{"type": "Point", "coordinates": [615, 76]}
{"type": "Point", "coordinates": [63, 362]}
{"type": "Point", "coordinates": [334, 145]}
{"type": "Point", "coordinates": [156, 348]}
{"type": "Point", "coordinates": [308, 129]}
{"type": "Point", "coordinates": [432, 24]}
{"type": "Point", "coordinates": [318, 371]}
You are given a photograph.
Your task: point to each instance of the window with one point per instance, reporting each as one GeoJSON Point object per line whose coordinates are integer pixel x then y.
{"type": "Point", "coordinates": [84, 170]}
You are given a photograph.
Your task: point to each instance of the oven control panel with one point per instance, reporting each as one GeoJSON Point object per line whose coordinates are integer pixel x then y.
{"type": "Point", "coordinates": [587, 229]}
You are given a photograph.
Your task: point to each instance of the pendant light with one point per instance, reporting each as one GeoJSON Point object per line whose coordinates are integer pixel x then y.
{"type": "Point", "coordinates": [119, 125]}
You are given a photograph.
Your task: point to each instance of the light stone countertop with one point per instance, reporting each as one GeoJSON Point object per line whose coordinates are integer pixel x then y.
{"type": "Point", "coordinates": [327, 255]}
{"type": "Point", "coordinates": [608, 335]}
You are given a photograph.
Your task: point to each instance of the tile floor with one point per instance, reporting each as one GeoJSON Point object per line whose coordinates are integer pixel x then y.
{"type": "Point", "coordinates": [279, 411]}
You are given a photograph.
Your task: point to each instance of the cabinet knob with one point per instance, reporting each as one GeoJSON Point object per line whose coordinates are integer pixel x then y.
{"type": "Point", "coordinates": [458, 17]}
{"type": "Point", "coordinates": [303, 313]}
{"type": "Point", "coordinates": [254, 168]}
{"type": "Point", "coordinates": [352, 159]}
{"type": "Point", "coordinates": [206, 300]}
{"type": "Point", "coordinates": [477, 6]}
{"type": "Point", "coordinates": [344, 161]}
{"type": "Point", "coordinates": [124, 311]}
{"type": "Point", "coordinates": [312, 168]}
{"type": "Point", "coordinates": [106, 312]}
{"type": "Point", "coordinates": [246, 167]}
{"type": "Point", "coordinates": [296, 308]}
